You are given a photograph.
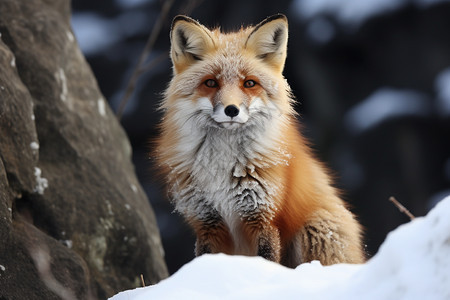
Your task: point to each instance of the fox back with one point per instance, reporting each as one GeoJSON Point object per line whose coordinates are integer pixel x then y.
{"type": "Point", "coordinates": [237, 167]}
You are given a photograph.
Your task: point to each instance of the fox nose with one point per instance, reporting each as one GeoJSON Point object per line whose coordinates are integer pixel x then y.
{"type": "Point", "coordinates": [231, 110]}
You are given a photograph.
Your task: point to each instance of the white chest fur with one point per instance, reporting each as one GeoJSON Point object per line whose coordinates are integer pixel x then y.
{"type": "Point", "coordinates": [220, 167]}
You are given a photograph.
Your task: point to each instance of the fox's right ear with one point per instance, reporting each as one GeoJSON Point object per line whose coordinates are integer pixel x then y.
{"type": "Point", "coordinates": [190, 41]}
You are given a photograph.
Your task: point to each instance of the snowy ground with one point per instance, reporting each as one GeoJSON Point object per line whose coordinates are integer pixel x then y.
{"type": "Point", "coordinates": [413, 263]}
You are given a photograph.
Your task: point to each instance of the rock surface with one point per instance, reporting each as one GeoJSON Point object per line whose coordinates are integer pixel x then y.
{"type": "Point", "coordinates": [74, 221]}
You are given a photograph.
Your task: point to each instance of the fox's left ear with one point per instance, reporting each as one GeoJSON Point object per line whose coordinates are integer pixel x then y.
{"type": "Point", "coordinates": [269, 40]}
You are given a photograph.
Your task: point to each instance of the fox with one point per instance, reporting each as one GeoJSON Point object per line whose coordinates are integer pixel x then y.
{"type": "Point", "coordinates": [236, 165]}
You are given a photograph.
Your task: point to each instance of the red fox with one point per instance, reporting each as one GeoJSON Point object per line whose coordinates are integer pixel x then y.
{"type": "Point", "coordinates": [237, 167]}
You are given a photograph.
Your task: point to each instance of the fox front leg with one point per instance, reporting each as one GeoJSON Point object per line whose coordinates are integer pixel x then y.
{"type": "Point", "coordinates": [212, 235]}
{"type": "Point", "coordinates": [269, 245]}
{"type": "Point", "coordinates": [331, 239]}
{"type": "Point", "coordinates": [267, 238]}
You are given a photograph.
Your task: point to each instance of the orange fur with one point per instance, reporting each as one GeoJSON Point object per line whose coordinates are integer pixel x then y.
{"type": "Point", "coordinates": [237, 167]}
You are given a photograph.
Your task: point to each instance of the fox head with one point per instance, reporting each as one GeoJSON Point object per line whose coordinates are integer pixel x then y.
{"type": "Point", "coordinates": [228, 80]}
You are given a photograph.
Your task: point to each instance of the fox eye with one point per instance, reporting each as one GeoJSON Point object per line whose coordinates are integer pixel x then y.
{"type": "Point", "coordinates": [211, 83]}
{"type": "Point", "coordinates": [249, 83]}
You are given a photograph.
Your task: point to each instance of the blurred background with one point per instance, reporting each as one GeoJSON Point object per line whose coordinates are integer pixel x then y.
{"type": "Point", "coordinates": [372, 80]}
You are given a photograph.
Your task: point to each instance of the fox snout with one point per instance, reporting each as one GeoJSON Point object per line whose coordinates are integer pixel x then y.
{"type": "Point", "coordinates": [230, 109]}
{"type": "Point", "coordinates": [231, 115]}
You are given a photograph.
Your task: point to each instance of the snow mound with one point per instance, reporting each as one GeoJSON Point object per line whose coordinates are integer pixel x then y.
{"type": "Point", "coordinates": [386, 104]}
{"type": "Point", "coordinates": [443, 90]}
{"type": "Point", "coordinates": [355, 12]}
{"type": "Point", "coordinates": [413, 263]}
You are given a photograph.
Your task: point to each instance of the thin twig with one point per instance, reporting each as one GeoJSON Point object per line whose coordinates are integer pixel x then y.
{"type": "Point", "coordinates": [142, 280]}
{"type": "Point", "coordinates": [144, 55]}
{"type": "Point", "coordinates": [153, 62]}
{"type": "Point", "coordinates": [402, 208]}
{"type": "Point", "coordinates": [190, 6]}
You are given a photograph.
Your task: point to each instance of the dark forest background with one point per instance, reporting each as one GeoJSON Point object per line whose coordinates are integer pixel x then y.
{"type": "Point", "coordinates": [372, 79]}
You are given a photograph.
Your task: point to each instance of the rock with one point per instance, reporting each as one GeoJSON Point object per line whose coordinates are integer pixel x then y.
{"type": "Point", "coordinates": [74, 221]}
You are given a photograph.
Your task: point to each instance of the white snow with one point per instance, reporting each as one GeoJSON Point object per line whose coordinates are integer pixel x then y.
{"type": "Point", "coordinates": [101, 107]}
{"type": "Point", "coordinates": [67, 243]}
{"type": "Point", "coordinates": [70, 36]}
{"type": "Point", "coordinates": [34, 146]}
{"type": "Point", "coordinates": [442, 85]}
{"type": "Point", "coordinates": [354, 12]}
{"type": "Point", "coordinates": [413, 263]}
{"type": "Point", "coordinates": [61, 77]}
{"type": "Point", "coordinates": [436, 197]}
{"type": "Point", "coordinates": [127, 4]}
{"type": "Point", "coordinates": [41, 182]}
{"type": "Point", "coordinates": [320, 30]}
{"type": "Point", "coordinates": [385, 104]}
{"type": "Point", "coordinates": [95, 33]}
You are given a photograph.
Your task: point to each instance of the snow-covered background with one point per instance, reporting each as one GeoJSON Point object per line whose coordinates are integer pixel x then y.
{"type": "Point", "coordinates": [413, 263]}
{"type": "Point", "coordinates": [372, 78]}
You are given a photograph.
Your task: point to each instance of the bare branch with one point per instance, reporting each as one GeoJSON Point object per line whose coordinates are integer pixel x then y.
{"type": "Point", "coordinates": [153, 63]}
{"type": "Point", "coordinates": [190, 6]}
{"type": "Point", "coordinates": [142, 280]}
{"type": "Point", "coordinates": [402, 208]}
{"type": "Point", "coordinates": [144, 55]}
